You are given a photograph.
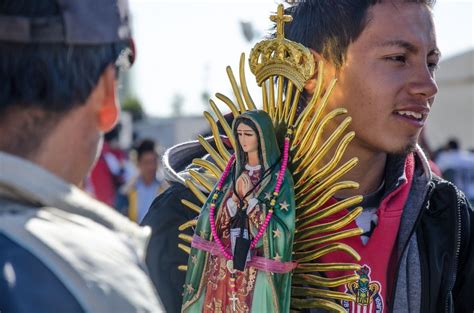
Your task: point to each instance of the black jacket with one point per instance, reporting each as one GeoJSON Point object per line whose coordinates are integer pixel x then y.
{"type": "Point", "coordinates": [166, 214]}
{"type": "Point", "coordinates": [446, 244]}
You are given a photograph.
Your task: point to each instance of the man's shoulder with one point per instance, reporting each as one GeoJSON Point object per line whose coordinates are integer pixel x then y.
{"type": "Point", "coordinates": [88, 255]}
{"type": "Point", "coordinates": [21, 271]}
{"type": "Point", "coordinates": [447, 197]}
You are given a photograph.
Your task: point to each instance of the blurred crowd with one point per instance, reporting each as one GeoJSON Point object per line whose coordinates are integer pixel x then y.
{"type": "Point", "coordinates": [127, 179]}
{"type": "Point", "coordinates": [457, 166]}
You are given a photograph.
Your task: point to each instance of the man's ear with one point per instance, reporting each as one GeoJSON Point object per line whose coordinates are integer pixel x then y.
{"type": "Point", "coordinates": [310, 85]}
{"type": "Point", "coordinates": [109, 111]}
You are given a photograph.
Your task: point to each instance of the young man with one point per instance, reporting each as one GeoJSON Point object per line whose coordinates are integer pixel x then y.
{"type": "Point", "coordinates": [61, 250]}
{"type": "Point", "coordinates": [417, 247]}
{"type": "Point", "coordinates": [417, 244]}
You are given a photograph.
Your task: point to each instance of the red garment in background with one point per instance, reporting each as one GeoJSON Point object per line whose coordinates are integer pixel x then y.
{"type": "Point", "coordinates": [102, 180]}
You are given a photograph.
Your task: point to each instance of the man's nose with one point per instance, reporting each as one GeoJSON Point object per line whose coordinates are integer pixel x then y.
{"type": "Point", "coordinates": [423, 83]}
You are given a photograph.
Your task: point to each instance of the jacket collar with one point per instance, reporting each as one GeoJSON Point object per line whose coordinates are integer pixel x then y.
{"type": "Point", "coordinates": [25, 182]}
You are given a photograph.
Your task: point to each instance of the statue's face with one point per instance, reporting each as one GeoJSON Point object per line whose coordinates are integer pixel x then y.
{"type": "Point", "coordinates": [247, 138]}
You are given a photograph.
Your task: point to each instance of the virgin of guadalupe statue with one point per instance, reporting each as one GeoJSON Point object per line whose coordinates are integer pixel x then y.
{"type": "Point", "coordinates": [241, 255]}
{"type": "Point", "coordinates": [265, 227]}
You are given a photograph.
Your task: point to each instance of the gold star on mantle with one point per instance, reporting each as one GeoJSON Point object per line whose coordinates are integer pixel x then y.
{"type": "Point", "coordinates": [276, 233]}
{"type": "Point", "coordinates": [277, 257]}
{"type": "Point", "coordinates": [194, 258]}
{"type": "Point", "coordinates": [284, 206]}
{"type": "Point", "coordinates": [268, 195]}
{"type": "Point", "coordinates": [189, 288]}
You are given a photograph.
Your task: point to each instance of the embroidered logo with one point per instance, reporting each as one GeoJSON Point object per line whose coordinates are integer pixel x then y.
{"type": "Point", "coordinates": [366, 292]}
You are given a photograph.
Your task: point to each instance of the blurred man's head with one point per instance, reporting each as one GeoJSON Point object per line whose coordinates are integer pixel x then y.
{"type": "Point", "coordinates": [453, 144]}
{"type": "Point", "coordinates": [59, 62]}
{"type": "Point", "coordinates": [147, 160]}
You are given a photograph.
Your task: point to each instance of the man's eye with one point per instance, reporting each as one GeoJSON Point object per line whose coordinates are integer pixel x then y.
{"type": "Point", "coordinates": [397, 58]}
{"type": "Point", "coordinates": [433, 66]}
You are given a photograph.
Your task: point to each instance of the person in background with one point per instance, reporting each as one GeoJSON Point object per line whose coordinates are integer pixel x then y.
{"type": "Point", "coordinates": [457, 166]}
{"type": "Point", "coordinates": [423, 143]}
{"type": "Point", "coordinates": [145, 187]}
{"type": "Point", "coordinates": [60, 249]}
{"type": "Point", "coordinates": [108, 174]}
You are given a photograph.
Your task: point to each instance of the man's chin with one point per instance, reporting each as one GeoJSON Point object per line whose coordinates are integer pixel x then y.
{"type": "Point", "coordinates": [404, 150]}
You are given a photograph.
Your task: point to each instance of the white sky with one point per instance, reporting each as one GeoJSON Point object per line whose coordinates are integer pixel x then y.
{"type": "Point", "coordinates": [184, 46]}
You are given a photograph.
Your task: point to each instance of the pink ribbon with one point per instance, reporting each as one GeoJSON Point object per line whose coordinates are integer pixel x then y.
{"type": "Point", "coordinates": [257, 262]}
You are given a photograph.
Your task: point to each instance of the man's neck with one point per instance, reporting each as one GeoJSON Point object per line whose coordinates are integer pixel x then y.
{"type": "Point", "coordinates": [70, 150]}
{"type": "Point", "coordinates": [147, 181]}
{"type": "Point", "coordinates": [368, 173]}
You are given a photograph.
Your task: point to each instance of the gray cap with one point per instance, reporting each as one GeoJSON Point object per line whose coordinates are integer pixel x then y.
{"type": "Point", "coordinates": [80, 22]}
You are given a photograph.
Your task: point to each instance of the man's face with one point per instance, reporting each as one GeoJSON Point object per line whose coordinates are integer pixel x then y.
{"type": "Point", "coordinates": [387, 80]}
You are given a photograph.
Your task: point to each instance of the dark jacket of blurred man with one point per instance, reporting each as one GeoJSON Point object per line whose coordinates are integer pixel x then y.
{"type": "Point", "coordinates": [61, 250]}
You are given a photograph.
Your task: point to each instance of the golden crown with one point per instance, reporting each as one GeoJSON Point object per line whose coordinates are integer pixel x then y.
{"type": "Point", "coordinates": [281, 56]}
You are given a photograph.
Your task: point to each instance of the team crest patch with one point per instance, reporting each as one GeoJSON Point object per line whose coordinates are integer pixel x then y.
{"type": "Point", "coordinates": [366, 292]}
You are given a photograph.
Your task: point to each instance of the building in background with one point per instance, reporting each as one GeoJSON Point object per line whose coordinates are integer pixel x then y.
{"type": "Point", "coordinates": [453, 110]}
{"type": "Point", "coordinates": [170, 131]}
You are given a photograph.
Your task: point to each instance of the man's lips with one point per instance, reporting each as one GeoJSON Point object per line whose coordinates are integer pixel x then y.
{"type": "Point", "coordinates": [417, 113]}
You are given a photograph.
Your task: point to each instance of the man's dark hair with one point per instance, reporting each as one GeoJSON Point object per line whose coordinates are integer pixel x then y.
{"type": "Point", "coordinates": [49, 79]}
{"type": "Point", "coordinates": [146, 145]}
{"type": "Point", "coordinates": [329, 26]}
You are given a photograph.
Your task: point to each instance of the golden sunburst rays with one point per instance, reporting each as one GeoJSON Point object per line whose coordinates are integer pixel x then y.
{"type": "Point", "coordinates": [302, 291]}
{"type": "Point", "coordinates": [301, 245]}
{"type": "Point", "coordinates": [325, 299]}
{"type": "Point", "coordinates": [243, 84]}
{"type": "Point", "coordinates": [229, 103]}
{"type": "Point", "coordinates": [183, 268]}
{"type": "Point", "coordinates": [326, 267]}
{"type": "Point", "coordinates": [206, 182]}
{"type": "Point", "coordinates": [210, 167]}
{"type": "Point", "coordinates": [223, 122]}
{"type": "Point", "coordinates": [313, 191]}
{"type": "Point", "coordinates": [191, 205]}
{"type": "Point", "coordinates": [185, 238]}
{"type": "Point", "coordinates": [188, 224]}
{"type": "Point", "coordinates": [315, 229]}
{"type": "Point", "coordinates": [218, 150]}
{"type": "Point", "coordinates": [309, 129]}
{"type": "Point", "coordinates": [280, 99]}
{"type": "Point", "coordinates": [242, 94]}
{"type": "Point", "coordinates": [321, 138]}
{"type": "Point", "coordinates": [316, 94]}
{"type": "Point", "coordinates": [185, 248]}
{"type": "Point", "coordinates": [195, 190]}
{"type": "Point", "coordinates": [221, 148]}
{"type": "Point", "coordinates": [314, 213]}
{"type": "Point", "coordinates": [316, 280]}
{"type": "Point", "coordinates": [201, 182]}
{"type": "Point", "coordinates": [328, 305]}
